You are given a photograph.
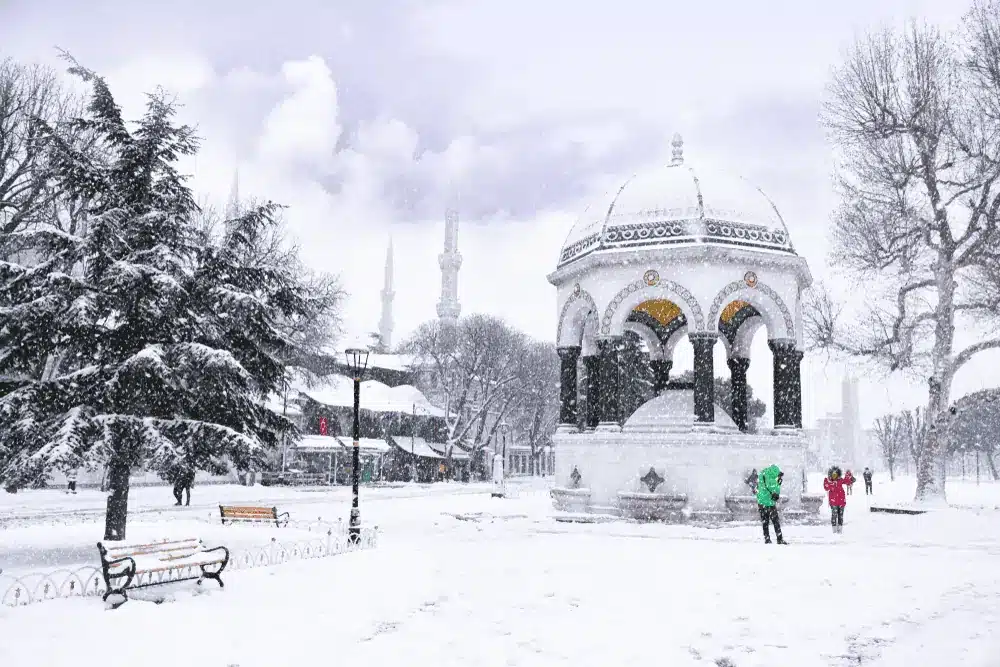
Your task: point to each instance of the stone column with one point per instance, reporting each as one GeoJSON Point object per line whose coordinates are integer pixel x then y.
{"type": "Point", "coordinates": [704, 375]}
{"type": "Point", "coordinates": [795, 393]}
{"type": "Point", "coordinates": [568, 357]}
{"type": "Point", "coordinates": [738, 380]}
{"type": "Point", "coordinates": [661, 374]}
{"type": "Point", "coordinates": [787, 383]}
{"type": "Point", "coordinates": [610, 384]}
{"type": "Point", "coordinates": [591, 365]}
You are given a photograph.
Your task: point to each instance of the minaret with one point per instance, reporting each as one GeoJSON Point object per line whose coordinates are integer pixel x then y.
{"type": "Point", "coordinates": [233, 205]}
{"type": "Point", "coordinates": [450, 261]}
{"type": "Point", "coordinates": [385, 323]}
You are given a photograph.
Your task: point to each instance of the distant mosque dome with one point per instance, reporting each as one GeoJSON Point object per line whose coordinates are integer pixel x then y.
{"type": "Point", "coordinates": [678, 204]}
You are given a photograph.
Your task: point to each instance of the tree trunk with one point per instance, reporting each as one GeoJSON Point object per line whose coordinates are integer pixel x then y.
{"type": "Point", "coordinates": [116, 516]}
{"type": "Point", "coordinates": [992, 465]}
{"type": "Point", "coordinates": [892, 471]}
{"type": "Point", "coordinates": [931, 469]}
{"type": "Point", "coordinates": [933, 455]}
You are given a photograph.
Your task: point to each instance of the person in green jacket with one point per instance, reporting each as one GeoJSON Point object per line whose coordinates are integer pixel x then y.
{"type": "Point", "coordinates": [768, 493]}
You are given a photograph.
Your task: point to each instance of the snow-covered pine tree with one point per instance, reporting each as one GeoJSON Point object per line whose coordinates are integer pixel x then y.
{"type": "Point", "coordinates": [165, 348]}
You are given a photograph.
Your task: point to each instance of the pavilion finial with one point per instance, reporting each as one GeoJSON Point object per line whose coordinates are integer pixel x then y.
{"type": "Point", "coordinates": [678, 149]}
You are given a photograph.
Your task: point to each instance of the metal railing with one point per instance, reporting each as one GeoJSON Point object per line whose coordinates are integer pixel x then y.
{"type": "Point", "coordinates": [87, 580]}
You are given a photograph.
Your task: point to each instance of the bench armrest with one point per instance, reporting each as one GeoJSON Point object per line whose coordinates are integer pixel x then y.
{"type": "Point", "coordinates": [128, 573]}
{"type": "Point", "coordinates": [279, 519]}
{"type": "Point", "coordinates": [225, 559]}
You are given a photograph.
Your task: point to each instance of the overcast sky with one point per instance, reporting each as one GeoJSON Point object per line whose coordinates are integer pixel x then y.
{"type": "Point", "coordinates": [371, 117]}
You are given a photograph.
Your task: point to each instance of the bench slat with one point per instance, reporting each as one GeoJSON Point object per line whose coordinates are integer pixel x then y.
{"type": "Point", "coordinates": [251, 513]}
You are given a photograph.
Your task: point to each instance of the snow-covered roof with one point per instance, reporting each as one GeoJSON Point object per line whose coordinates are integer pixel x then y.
{"type": "Point", "coordinates": [389, 362]}
{"type": "Point", "coordinates": [418, 446]}
{"type": "Point", "coordinates": [277, 404]}
{"type": "Point", "coordinates": [324, 442]}
{"type": "Point", "coordinates": [365, 444]}
{"type": "Point", "coordinates": [456, 453]}
{"type": "Point", "coordinates": [338, 391]}
{"type": "Point", "coordinates": [678, 204]}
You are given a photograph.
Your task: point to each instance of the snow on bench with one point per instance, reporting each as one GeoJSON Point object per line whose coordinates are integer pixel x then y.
{"type": "Point", "coordinates": [252, 514]}
{"type": "Point", "coordinates": [144, 564]}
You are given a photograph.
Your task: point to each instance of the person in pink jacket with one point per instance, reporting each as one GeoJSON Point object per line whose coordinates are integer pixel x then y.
{"type": "Point", "coordinates": [849, 480]}
{"type": "Point", "coordinates": [834, 486]}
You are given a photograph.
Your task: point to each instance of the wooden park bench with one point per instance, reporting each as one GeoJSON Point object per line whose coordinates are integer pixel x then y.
{"type": "Point", "coordinates": [252, 514]}
{"type": "Point", "coordinates": [145, 564]}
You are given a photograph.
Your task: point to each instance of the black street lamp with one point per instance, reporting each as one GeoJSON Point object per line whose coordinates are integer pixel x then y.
{"type": "Point", "coordinates": [357, 361]}
{"type": "Point", "coordinates": [504, 430]}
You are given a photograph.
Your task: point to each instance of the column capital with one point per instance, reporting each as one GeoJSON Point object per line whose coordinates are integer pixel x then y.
{"type": "Point", "coordinates": [569, 352]}
{"type": "Point", "coordinates": [738, 363]}
{"type": "Point", "coordinates": [781, 345]}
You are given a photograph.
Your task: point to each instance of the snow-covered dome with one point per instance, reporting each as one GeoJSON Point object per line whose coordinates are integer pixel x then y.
{"type": "Point", "coordinates": [673, 410]}
{"type": "Point", "coordinates": [678, 204]}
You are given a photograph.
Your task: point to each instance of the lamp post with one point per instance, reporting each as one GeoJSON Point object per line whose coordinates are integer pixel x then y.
{"type": "Point", "coordinates": [357, 361]}
{"type": "Point", "coordinates": [504, 429]}
{"type": "Point", "coordinates": [413, 456]}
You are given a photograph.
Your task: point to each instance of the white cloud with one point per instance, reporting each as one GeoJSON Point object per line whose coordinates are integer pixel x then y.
{"type": "Point", "coordinates": [180, 73]}
{"type": "Point", "coordinates": [303, 128]}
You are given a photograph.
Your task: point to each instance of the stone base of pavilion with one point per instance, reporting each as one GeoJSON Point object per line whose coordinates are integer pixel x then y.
{"type": "Point", "coordinates": [686, 476]}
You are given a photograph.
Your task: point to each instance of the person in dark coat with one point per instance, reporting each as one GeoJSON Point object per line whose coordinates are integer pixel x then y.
{"type": "Point", "coordinates": [867, 474]}
{"type": "Point", "coordinates": [834, 485]}
{"type": "Point", "coordinates": [182, 484]}
{"type": "Point", "coordinates": [751, 481]}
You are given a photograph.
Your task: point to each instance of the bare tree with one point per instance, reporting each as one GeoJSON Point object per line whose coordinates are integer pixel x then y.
{"type": "Point", "coordinates": [274, 248]}
{"type": "Point", "coordinates": [913, 429]}
{"type": "Point", "coordinates": [471, 373]}
{"type": "Point", "coordinates": [30, 96]}
{"type": "Point", "coordinates": [915, 116]}
{"type": "Point", "coordinates": [536, 410]}
{"type": "Point", "coordinates": [889, 431]}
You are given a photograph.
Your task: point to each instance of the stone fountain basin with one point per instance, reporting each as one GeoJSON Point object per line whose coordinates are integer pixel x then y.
{"type": "Point", "coordinates": [745, 507]}
{"type": "Point", "coordinates": [570, 500]}
{"type": "Point", "coordinates": [813, 502]}
{"type": "Point", "coordinates": [644, 506]}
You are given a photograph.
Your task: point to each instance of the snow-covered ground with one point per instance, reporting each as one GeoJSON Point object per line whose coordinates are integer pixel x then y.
{"type": "Point", "coordinates": [460, 578]}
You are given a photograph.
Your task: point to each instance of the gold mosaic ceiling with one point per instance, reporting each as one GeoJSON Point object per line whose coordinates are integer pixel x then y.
{"type": "Point", "coordinates": [661, 310]}
{"type": "Point", "coordinates": [729, 312]}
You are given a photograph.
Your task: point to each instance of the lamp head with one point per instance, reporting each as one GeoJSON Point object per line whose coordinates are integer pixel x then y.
{"type": "Point", "coordinates": [357, 361]}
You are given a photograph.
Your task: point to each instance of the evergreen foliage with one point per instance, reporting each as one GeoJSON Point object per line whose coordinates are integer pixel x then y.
{"type": "Point", "coordinates": [161, 344]}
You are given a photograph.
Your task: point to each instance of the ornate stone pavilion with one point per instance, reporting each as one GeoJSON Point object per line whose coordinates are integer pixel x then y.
{"type": "Point", "coordinates": [678, 255]}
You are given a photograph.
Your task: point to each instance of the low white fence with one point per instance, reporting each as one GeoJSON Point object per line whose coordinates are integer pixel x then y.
{"type": "Point", "coordinates": [87, 581]}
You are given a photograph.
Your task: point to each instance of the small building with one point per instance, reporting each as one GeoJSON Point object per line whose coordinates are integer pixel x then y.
{"type": "Point", "coordinates": [411, 452]}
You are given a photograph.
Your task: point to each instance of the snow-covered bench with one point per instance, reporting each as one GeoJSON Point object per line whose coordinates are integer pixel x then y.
{"type": "Point", "coordinates": [252, 514]}
{"type": "Point", "coordinates": [131, 565]}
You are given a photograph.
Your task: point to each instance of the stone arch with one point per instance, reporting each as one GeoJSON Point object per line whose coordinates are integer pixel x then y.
{"type": "Point", "coordinates": [573, 316]}
{"type": "Point", "coordinates": [670, 344]}
{"type": "Point", "coordinates": [648, 336]}
{"type": "Point", "coordinates": [774, 312]}
{"type": "Point", "coordinates": [639, 291]}
{"type": "Point", "coordinates": [744, 337]}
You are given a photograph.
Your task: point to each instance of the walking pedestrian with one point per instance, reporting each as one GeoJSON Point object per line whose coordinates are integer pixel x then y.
{"type": "Point", "coordinates": [768, 494]}
{"type": "Point", "coordinates": [71, 477]}
{"type": "Point", "coordinates": [182, 485]}
{"type": "Point", "coordinates": [834, 486]}
{"type": "Point", "coordinates": [751, 481]}
{"type": "Point", "coordinates": [849, 480]}
{"type": "Point", "coordinates": [867, 474]}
